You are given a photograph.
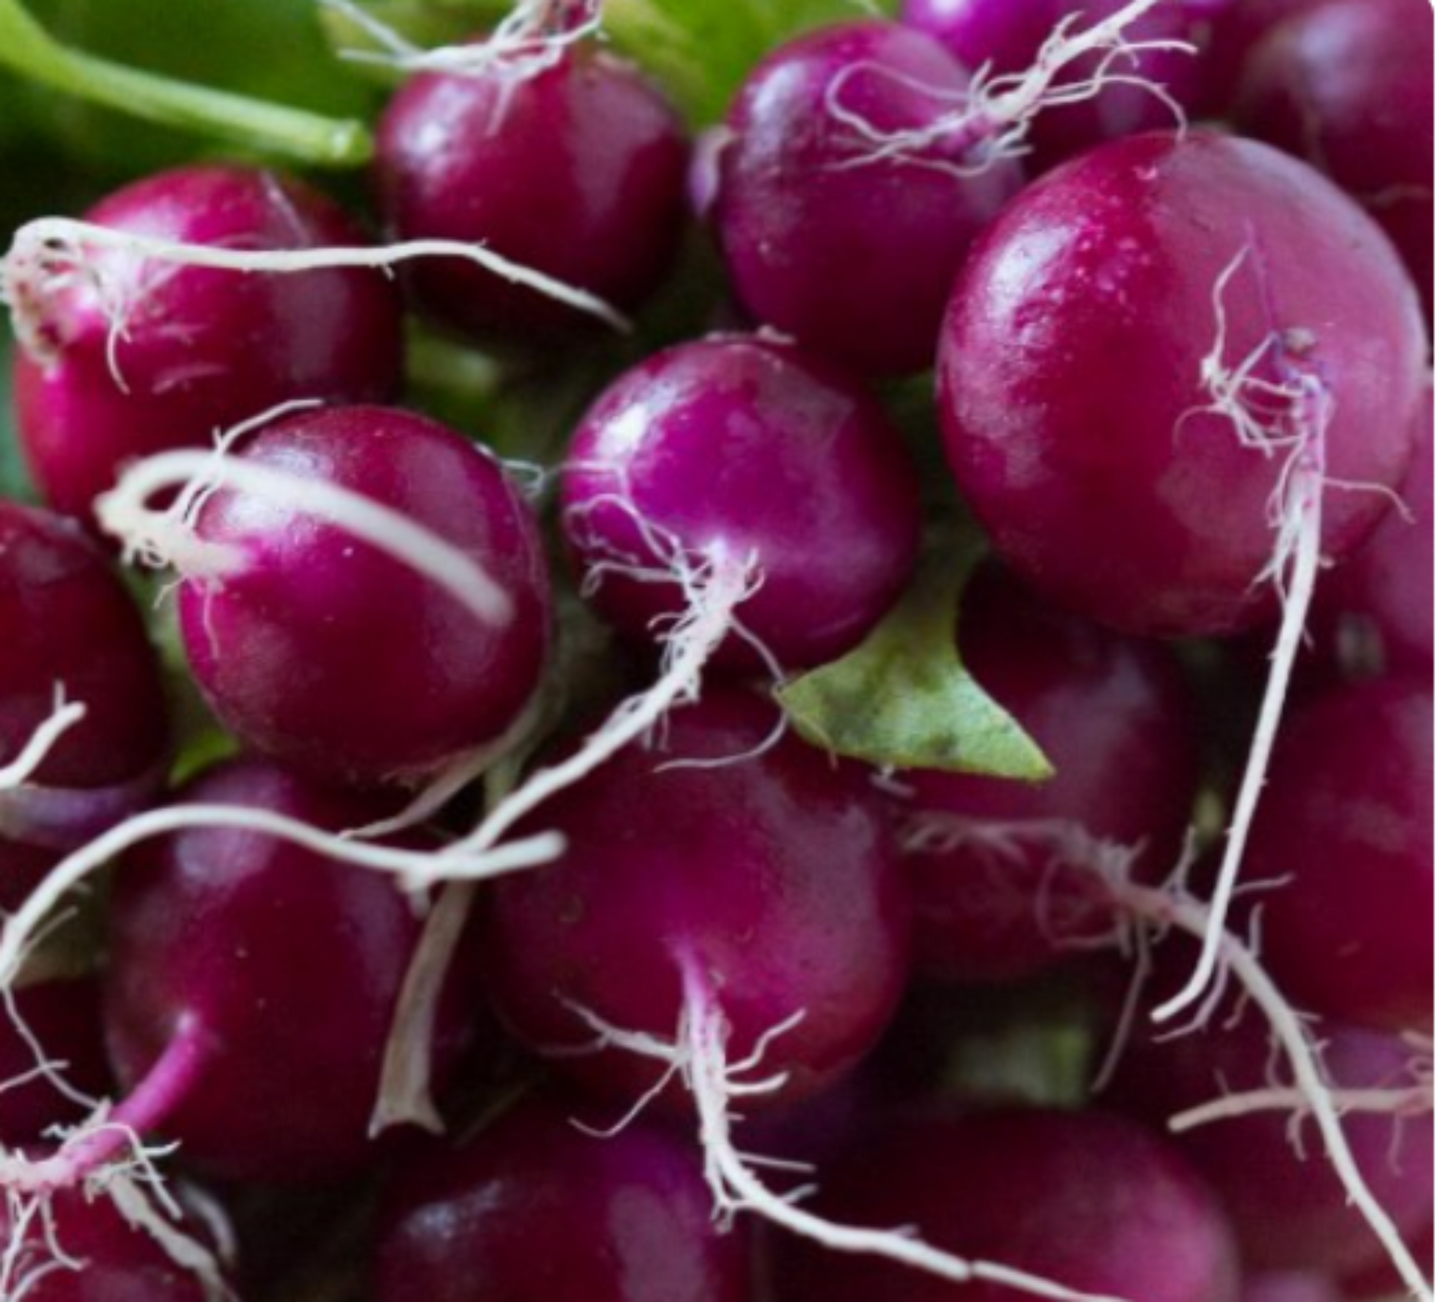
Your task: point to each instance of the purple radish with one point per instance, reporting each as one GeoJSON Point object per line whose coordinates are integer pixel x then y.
{"type": "Point", "coordinates": [1348, 85]}
{"type": "Point", "coordinates": [1379, 605]}
{"type": "Point", "coordinates": [106, 1258]}
{"type": "Point", "coordinates": [762, 883]}
{"type": "Point", "coordinates": [1152, 87]}
{"type": "Point", "coordinates": [1108, 468]}
{"type": "Point", "coordinates": [849, 253]}
{"type": "Point", "coordinates": [127, 355]}
{"type": "Point", "coordinates": [61, 1017]}
{"type": "Point", "coordinates": [1265, 1158]}
{"type": "Point", "coordinates": [322, 650]}
{"type": "Point", "coordinates": [740, 453]}
{"type": "Point", "coordinates": [68, 627]}
{"type": "Point", "coordinates": [1237, 27]}
{"type": "Point", "coordinates": [994, 890]}
{"type": "Point", "coordinates": [531, 1209]}
{"type": "Point", "coordinates": [1347, 823]}
{"type": "Point", "coordinates": [577, 170]}
{"type": "Point", "coordinates": [1093, 1202]}
{"type": "Point", "coordinates": [249, 989]}
{"type": "Point", "coordinates": [1172, 420]}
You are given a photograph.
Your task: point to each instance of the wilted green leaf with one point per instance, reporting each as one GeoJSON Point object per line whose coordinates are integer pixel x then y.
{"type": "Point", "coordinates": [903, 699]}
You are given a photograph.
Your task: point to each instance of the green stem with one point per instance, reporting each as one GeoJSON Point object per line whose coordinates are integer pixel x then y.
{"type": "Point", "coordinates": [269, 128]}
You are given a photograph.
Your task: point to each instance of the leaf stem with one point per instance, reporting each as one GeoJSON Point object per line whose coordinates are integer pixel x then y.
{"type": "Point", "coordinates": [269, 128]}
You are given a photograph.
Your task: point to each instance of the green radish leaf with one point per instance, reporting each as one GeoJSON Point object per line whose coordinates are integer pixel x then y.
{"type": "Point", "coordinates": [702, 50]}
{"type": "Point", "coordinates": [14, 480]}
{"type": "Point", "coordinates": [904, 700]}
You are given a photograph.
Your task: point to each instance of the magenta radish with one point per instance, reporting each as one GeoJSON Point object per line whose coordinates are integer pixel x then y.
{"type": "Point", "coordinates": [1097, 1204]}
{"type": "Point", "coordinates": [84, 1250]}
{"type": "Point", "coordinates": [532, 1209]}
{"type": "Point", "coordinates": [320, 648]}
{"type": "Point", "coordinates": [127, 355]}
{"type": "Point", "coordinates": [73, 644]}
{"type": "Point", "coordinates": [1377, 609]}
{"type": "Point", "coordinates": [1348, 85]}
{"type": "Point", "coordinates": [1346, 827]}
{"type": "Point", "coordinates": [741, 452]}
{"type": "Point", "coordinates": [763, 884]}
{"type": "Point", "coordinates": [1237, 27]}
{"type": "Point", "coordinates": [52, 1057]}
{"type": "Point", "coordinates": [1149, 87]}
{"type": "Point", "coordinates": [1068, 405]}
{"type": "Point", "coordinates": [577, 170]}
{"type": "Point", "coordinates": [249, 989]}
{"type": "Point", "coordinates": [849, 253]}
{"type": "Point", "coordinates": [995, 895]}
{"type": "Point", "coordinates": [1247, 1133]}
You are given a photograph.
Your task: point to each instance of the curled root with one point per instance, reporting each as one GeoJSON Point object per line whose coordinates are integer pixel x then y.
{"type": "Point", "coordinates": [64, 716]}
{"type": "Point", "coordinates": [992, 119]}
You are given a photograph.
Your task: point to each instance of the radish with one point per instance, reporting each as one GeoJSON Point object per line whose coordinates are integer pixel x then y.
{"type": "Point", "coordinates": [1288, 1286]}
{"type": "Point", "coordinates": [1348, 85]}
{"type": "Point", "coordinates": [1247, 1132]}
{"type": "Point", "coordinates": [126, 355]}
{"type": "Point", "coordinates": [1151, 86]}
{"type": "Point", "coordinates": [531, 1209]}
{"type": "Point", "coordinates": [1377, 609]}
{"type": "Point", "coordinates": [332, 654]}
{"type": "Point", "coordinates": [1346, 827]}
{"type": "Point", "coordinates": [96, 1251]}
{"type": "Point", "coordinates": [1092, 1201]}
{"type": "Point", "coordinates": [485, 153]}
{"type": "Point", "coordinates": [850, 254]}
{"type": "Point", "coordinates": [744, 452]}
{"type": "Point", "coordinates": [83, 732]}
{"type": "Point", "coordinates": [215, 933]}
{"type": "Point", "coordinates": [1115, 717]}
{"type": "Point", "coordinates": [1247, 423]}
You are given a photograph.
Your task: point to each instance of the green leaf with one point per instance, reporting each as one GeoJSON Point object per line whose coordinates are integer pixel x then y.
{"type": "Point", "coordinates": [14, 480]}
{"type": "Point", "coordinates": [702, 50]}
{"type": "Point", "coordinates": [903, 699]}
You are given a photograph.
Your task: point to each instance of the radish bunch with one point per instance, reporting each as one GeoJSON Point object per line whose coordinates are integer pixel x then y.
{"type": "Point", "coordinates": [799, 667]}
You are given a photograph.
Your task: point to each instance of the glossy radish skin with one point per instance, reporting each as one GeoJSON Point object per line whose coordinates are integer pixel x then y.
{"type": "Point", "coordinates": [774, 873]}
{"type": "Point", "coordinates": [201, 350]}
{"type": "Point", "coordinates": [1007, 35]}
{"type": "Point", "coordinates": [852, 258]}
{"type": "Point", "coordinates": [1288, 1210]}
{"type": "Point", "coordinates": [531, 1209]}
{"type": "Point", "coordinates": [1088, 1200]}
{"type": "Point", "coordinates": [116, 1262]}
{"type": "Point", "coordinates": [1115, 718]}
{"type": "Point", "coordinates": [328, 655]}
{"type": "Point", "coordinates": [743, 447]}
{"type": "Point", "coordinates": [577, 171]}
{"type": "Point", "coordinates": [1289, 1286]}
{"type": "Point", "coordinates": [1348, 819]}
{"type": "Point", "coordinates": [1379, 605]}
{"type": "Point", "coordinates": [1348, 85]}
{"type": "Point", "coordinates": [1070, 364]}
{"type": "Point", "coordinates": [66, 618]}
{"type": "Point", "coordinates": [287, 966]}
{"type": "Point", "coordinates": [63, 1015]}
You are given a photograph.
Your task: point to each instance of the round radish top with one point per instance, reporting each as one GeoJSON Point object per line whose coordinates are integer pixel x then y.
{"type": "Point", "coordinates": [577, 171]}
{"type": "Point", "coordinates": [737, 447]}
{"type": "Point", "coordinates": [773, 873]}
{"type": "Point", "coordinates": [197, 350]}
{"type": "Point", "coordinates": [1072, 394]}
{"type": "Point", "coordinates": [326, 653]}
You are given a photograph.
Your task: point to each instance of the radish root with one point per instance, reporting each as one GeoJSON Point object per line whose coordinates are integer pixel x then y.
{"type": "Point", "coordinates": [64, 716]}
{"type": "Point", "coordinates": [699, 1055]}
{"type": "Point", "coordinates": [993, 118]}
